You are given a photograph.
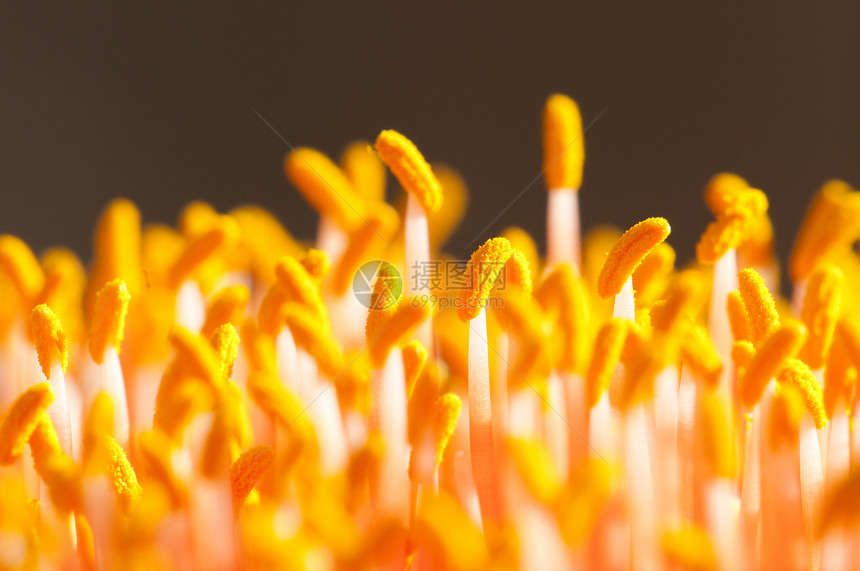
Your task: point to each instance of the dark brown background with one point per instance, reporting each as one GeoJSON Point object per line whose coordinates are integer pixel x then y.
{"type": "Point", "coordinates": [155, 104]}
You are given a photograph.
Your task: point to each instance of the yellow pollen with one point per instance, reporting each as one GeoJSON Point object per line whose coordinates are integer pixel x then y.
{"type": "Point", "coordinates": [649, 278]}
{"type": "Point", "coordinates": [759, 304]}
{"type": "Point", "coordinates": [628, 253]}
{"type": "Point", "coordinates": [778, 348]}
{"type": "Point", "coordinates": [449, 537]}
{"type": "Point", "coordinates": [98, 427]}
{"type": "Point", "coordinates": [123, 478]}
{"type": "Point", "coordinates": [318, 342]}
{"type": "Point", "coordinates": [485, 266]}
{"type": "Point", "coordinates": [719, 237]}
{"type": "Point", "coordinates": [411, 170]}
{"type": "Point", "coordinates": [522, 241]}
{"type": "Point", "coordinates": [197, 356]}
{"type": "Point", "coordinates": [316, 263]}
{"type": "Point", "coordinates": [51, 342]}
{"type": "Point", "coordinates": [518, 272]}
{"type": "Point", "coordinates": [448, 407]}
{"type": "Point", "coordinates": [718, 438]}
{"type": "Point", "coordinates": [536, 468]}
{"type": "Point", "coordinates": [21, 420]}
{"type": "Point", "coordinates": [221, 238]}
{"type": "Point", "coordinates": [397, 329]}
{"type": "Point", "coordinates": [820, 312]}
{"type": "Point", "coordinates": [225, 341]}
{"type": "Point", "coordinates": [722, 191]}
{"type": "Point", "coordinates": [563, 293]}
{"type": "Point", "coordinates": [365, 171]}
{"type": "Point", "coordinates": [738, 320]}
{"type": "Point", "coordinates": [742, 353]}
{"type": "Point", "coordinates": [689, 548]}
{"type": "Point", "coordinates": [264, 240]}
{"type": "Point", "coordinates": [19, 263]}
{"type": "Point", "coordinates": [381, 225]}
{"type": "Point", "coordinates": [563, 143]}
{"type": "Point", "coordinates": [325, 187]}
{"type": "Point", "coordinates": [227, 306]}
{"type": "Point", "coordinates": [700, 355]}
{"type": "Point", "coordinates": [680, 296]}
{"type": "Point", "coordinates": [246, 471]}
{"type": "Point", "coordinates": [300, 287]}
{"type": "Point", "coordinates": [606, 355]}
{"type": "Point", "coordinates": [108, 325]}
{"type": "Point", "coordinates": [270, 316]}
{"type": "Point", "coordinates": [798, 374]}
{"type": "Point", "coordinates": [414, 359]}
{"type": "Point", "coordinates": [197, 218]}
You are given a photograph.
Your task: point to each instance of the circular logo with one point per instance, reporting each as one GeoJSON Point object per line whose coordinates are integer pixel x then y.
{"type": "Point", "coordinates": [386, 279]}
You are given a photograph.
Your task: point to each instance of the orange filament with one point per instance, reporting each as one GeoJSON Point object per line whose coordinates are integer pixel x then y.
{"type": "Point", "coordinates": [485, 267]}
{"type": "Point", "coordinates": [820, 312]}
{"type": "Point", "coordinates": [108, 325]}
{"type": "Point", "coordinates": [411, 170]}
{"type": "Point", "coordinates": [563, 143]}
{"type": "Point", "coordinates": [51, 342]}
{"type": "Point", "coordinates": [628, 253]}
{"type": "Point", "coordinates": [759, 304]}
{"type": "Point", "coordinates": [689, 548]}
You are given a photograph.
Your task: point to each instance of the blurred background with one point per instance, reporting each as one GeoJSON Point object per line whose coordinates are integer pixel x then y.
{"type": "Point", "coordinates": [157, 105]}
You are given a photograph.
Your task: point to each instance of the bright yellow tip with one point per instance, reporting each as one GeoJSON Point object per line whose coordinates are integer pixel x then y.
{"type": "Point", "coordinates": [414, 359]}
{"type": "Point", "coordinates": [51, 342]}
{"type": "Point", "coordinates": [536, 468]}
{"type": "Point", "coordinates": [689, 548]}
{"type": "Point", "coordinates": [650, 277]}
{"type": "Point", "coordinates": [123, 478]}
{"type": "Point", "coordinates": [719, 237]}
{"type": "Point", "coordinates": [381, 225]}
{"type": "Point", "coordinates": [22, 267]}
{"type": "Point", "coordinates": [778, 348]}
{"type": "Point", "coordinates": [225, 341]}
{"type": "Point", "coordinates": [700, 355]}
{"type": "Point", "coordinates": [21, 421]}
{"type": "Point", "coordinates": [798, 374]}
{"type": "Point", "coordinates": [485, 267]}
{"type": "Point", "coordinates": [411, 170]}
{"type": "Point", "coordinates": [562, 294]}
{"type": "Point", "coordinates": [518, 272]}
{"type": "Point", "coordinates": [325, 187]}
{"type": "Point", "coordinates": [628, 253]}
{"type": "Point", "coordinates": [742, 353]}
{"type": "Point", "coordinates": [300, 287]}
{"type": "Point", "coordinates": [563, 143]}
{"type": "Point", "coordinates": [317, 341]}
{"type": "Point", "coordinates": [117, 250]}
{"type": "Point", "coordinates": [316, 263]}
{"type": "Point", "coordinates": [449, 537]}
{"type": "Point", "coordinates": [820, 311]}
{"type": "Point", "coordinates": [108, 325]}
{"type": "Point", "coordinates": [722, 192]}
{"type": "Point", "coordinates": [196, 356]}
{"type": "Point", "coordinates": [607, 353]}
{"type": "Point", "coordinates": [523, 241]}
{"type": "Point", "coordinates": [227, 306]}
{"type": "Point", "coordinates": [759, 304]}
{"type": "Point", "coordinates": [397, 329]}
{"type": "Point", "coordinates": [222, 237]}
{"type": "Point", "coordinates": [741, 215]}
{"type": "Point", "coordinates": [719, 442]}
{"type": "Point", "coordinates": [264, 239]}
{"type": "Point", "coordinates": [365, 171]}
{"type": "Point", "coordinates": [448, 407]}
{"type": "Point", "coordinates": [246, 471]}
{"type": "Point", "coordinates": [738, 320]}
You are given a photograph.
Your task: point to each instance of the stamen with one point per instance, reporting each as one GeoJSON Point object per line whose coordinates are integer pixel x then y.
{"type": "Point", "coordinates": [759, 304]}
{"type": "Point", "coordinates": [719, 442]}
{"type": "Point", "coordinates": [411, 170]}
{"type": "Point", "coordinates": [123, 478]}
{"type": "Point", "coordinates": [52, 346]}
{"type": "Point", "coordinates": [397, 328]}
{"type": "Point", "coordinates": [778, 348]}
{"type": "Point", "coordinates": [700, 355]}
{"type": "Point", "coordinates": [563, 294]}
{"type": "Point", "coordinates": [21, 420]}
{"type": "Point", "coordinates": [414, 359]}
{"type": "Point", "coordinates": [222, 237]}
{"type": "Point", "coordinates": [786, 412]}
{"type": "Point", "coordinates": [689, 548]}
{"type": "Point", "coordinates": [298, 286]}
{"type": "Point", "coordinates": [381, 225]}
{"type": "Point", "coordinates": [628, 253]}
{"type": "Point", "coordinates": [305, 328]}
{"type": "Point", "coordinates": [798, 374]}
{"type": "Point", "coordinates": [117, 250]}
{"type": "Point", "coordinates": [820, 311]}
{"type": "Point", "coordinates": [246, 471]}
{"type": "Point", "coordinates": [485, 267]}
{"type": "Point", "coordinates": [448, 407]}
{"type": "Point", "coordinates": [607, 353]}
{"type": "Point", "coordinates": [518, 273]}
{"type": "Point", "coordinates": [225, 341]}
{"type": "Point", "coordinates": [108, 325]}
{"type": "Point", "coordinates": [563, 143]}
{"type": "Point", "coordinates": [227, 306]}
{"type": "Point", "coordinates": [365, 171]}
{"type": "Point", "coordinates": [264, 239]}
{"type": "Point", "coordinates": [444, 222]}
{"type": "Point", "coordinates": [196, 355]}
{"type": "Point", "coordinates": [316, 263]}
{"type": "Point", "coordinates": [19, 263]}
{"type": "Point", "coordinates": [738, 319]}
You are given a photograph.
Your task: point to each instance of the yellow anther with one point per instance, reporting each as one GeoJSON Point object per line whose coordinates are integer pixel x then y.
{"type": "Point", "coordinates": [197, 218]}
{"type": "Point", "coordinates": [123, 478]}
{"type": "Point", "coordinates": [522, 241]}
{"type": "Point", "coordinates": [246, 471]}
{"type": "Point", "coordinates": [778, 348]}
{"type": "Point", "coordinates": [264, 240]}
{"type": "Point", "coordinates": [700, 355]}
{"type": "Point", "coordinates": [325, 187]}
{"type": "Point", "coordinates": [98, 426]}
{"type": "Point", "coordinates": [679, 299]}
{"type": "Point", "coordinates": [229, 433]}
{"type": "Point", "coordinates": [448, 407]}
{"type": "Point", "coordinates": [798, 374]}
{"type": "Point", "coordinates": [742, 353]}
{"type": "Point", "coordinates": [219, 239]}
{"type": "Point", "coordinates": [563, 293]}
{"type": "Point", "coordinates": [411, 170]}
{"type": "Point", "coordinates": [196, 356]}
{"type": "Point", "coordinates": [518, 273]}
{"type": "Point", "coordinates": [154, 452]}
{"type": "Point", "coordinates": [485, 267]}
{"type": "Point", "coordinates": [643, 357]}
{"type": "Point", "coordinates": [738, 320]}
{"type": "Point", "coordinates": [51, 343]}
{"type": "Point", "coordinates": [521, 315]}
{"type": "Point", "coordinates": [317, 341]}
{"type": "Point", "coordinates": [270, 316]}
{"type": "Point", "coordinates": [117, 250]}
{"type": "Point", "coordinates": [365, 171]}
{"type": "Point", "coordinates": [759, 304]}
{"type": "Point", "coordinates": [536, 468]}
{"type": "Point", "coordinates": [21, 420]}
{"type": "Point", "coordinates": [108, 324]}
{"type": "Point", "coordinates": [380, 228]}
{"type": "Point", "coordinates": [649, 278]}
{"type": "Point", "coordinates": [820, 312]}
{"type": "Point", "coordinates": [396, 329]}
{"type": "Point", "coordinates": [65, 283]}
{"type": "Point", "coordinates": [785, 414]}
{"type": "Point", "coordinates": [449, 537]}
{"type": "Point", "coordinates": [583, 500]}
{"type": "Point", "coordinates": [19, 263]}
{"type": "Point", "coordinates": [757, 247]}
{"type": "Point", "coordinates": [831, 222]}
{"type": "Point", "coordinates": [840, 372]}
{"type": "Point", "coordinates": [300, 287]}
{"type": "Point", "coordinates": [606, 355]}
{"type": "Point", "coordinates": [225, 341]}
{"type": "Point", "coordinates": [563, 143]}
{"type": "Point", "coordinates": [741, 216]}
{"type": "Point", "coordinates": [443, 223]}
{"type": "Point", "coordinates": [316, 263]}
{"type": "Point", "coordinates": [414, 359]}
{"type": "Point", "coordinates": [689, 548]}
{"type": "Point", "coordinates": [227, 306]}
{"type": "Point", "coordinates": [719, 237]}
{"type": "Point", "coordinates": [628, 253]}
{"type": "Point", "coordinates": [842, 504]}
{"type": "Point", "coordinates": [719, 442]}
{"type": "Point", "coordinates": [722, 191]}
